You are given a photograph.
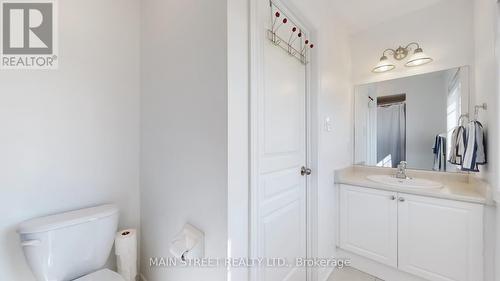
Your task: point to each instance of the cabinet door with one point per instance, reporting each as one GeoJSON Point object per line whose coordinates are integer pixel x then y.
{"type": "Point", "coordinates": [368, 223]}
{"type": "Point", "coordinates": [440, 240]}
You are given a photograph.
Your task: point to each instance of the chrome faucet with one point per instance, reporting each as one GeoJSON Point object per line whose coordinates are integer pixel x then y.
{"type": "Point", "coordinates": [401, 173]}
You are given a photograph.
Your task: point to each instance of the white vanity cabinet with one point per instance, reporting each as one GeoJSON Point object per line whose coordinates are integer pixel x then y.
{"type": "Point", "coordinates": [368, 223]}
{"type": "Point", "coordinates": [440, 239]}
{"type": "Point", "coordinates": [435, 239]}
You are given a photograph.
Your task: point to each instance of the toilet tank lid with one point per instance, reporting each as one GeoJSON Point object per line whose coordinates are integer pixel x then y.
{"type": "Point", "coordinates": [66, 219]}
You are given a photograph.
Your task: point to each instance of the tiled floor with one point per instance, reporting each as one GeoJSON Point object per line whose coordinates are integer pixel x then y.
{"type": "Point", "coordinates": [351, 274]}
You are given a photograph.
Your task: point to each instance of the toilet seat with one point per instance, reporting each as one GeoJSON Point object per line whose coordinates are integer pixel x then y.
{"type": "Point", "coordinates": [101, 275]}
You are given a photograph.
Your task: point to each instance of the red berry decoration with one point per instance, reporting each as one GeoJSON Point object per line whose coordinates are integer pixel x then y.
{"type": "Point", "coordinates": [277, 14]}
{"type": "Point", "coordinates": [312, 46]}
{"type": "Point", "coordinates": [300, 34]}
{"type": "Point", "coordinates": [285, 20]}
{"type": "Point", "coordinates": [307, 42]}
{"type": "Point", "coordinates": [294, 29]}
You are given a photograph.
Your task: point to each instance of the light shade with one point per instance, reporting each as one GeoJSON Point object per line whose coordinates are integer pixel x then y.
{"type": "Point", "coordinates": [383, 65]}
{"type": "Point", "coordinates": [418, 58]}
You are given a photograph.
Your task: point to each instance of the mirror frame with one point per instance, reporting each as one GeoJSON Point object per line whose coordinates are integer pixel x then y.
{"type": "Point", "coordinates": [470, 104]}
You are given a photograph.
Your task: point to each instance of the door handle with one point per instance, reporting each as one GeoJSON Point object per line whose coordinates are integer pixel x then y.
{"type": "Point", "coordinates": [305, 171]}
{"type": "Point", "coordinates": [401, 199]}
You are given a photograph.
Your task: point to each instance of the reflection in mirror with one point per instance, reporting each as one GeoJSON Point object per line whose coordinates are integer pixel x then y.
{"type": "Point", "coordinates": [410, 119]}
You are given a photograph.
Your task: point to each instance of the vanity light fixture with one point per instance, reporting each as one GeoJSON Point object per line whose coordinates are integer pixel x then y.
{"type": "Point", "coordinates": [383, 65]}
{"type": "Point", "coordinates": [417, 58]}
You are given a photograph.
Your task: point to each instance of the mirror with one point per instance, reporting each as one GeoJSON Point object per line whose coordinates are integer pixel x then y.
{"type": "Point", "coordinates": [403, 119]}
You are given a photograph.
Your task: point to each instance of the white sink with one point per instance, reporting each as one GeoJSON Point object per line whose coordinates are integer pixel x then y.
{"type": "Point", "coordinates": [411, 183]}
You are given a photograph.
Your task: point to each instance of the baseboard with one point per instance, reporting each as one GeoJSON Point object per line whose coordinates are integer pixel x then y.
{"type": "Point", "coordinates": [325, 273]}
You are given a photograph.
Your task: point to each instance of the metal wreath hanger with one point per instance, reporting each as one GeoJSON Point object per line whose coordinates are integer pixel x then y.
{"type": "Point", "coordinates": [297, 44]}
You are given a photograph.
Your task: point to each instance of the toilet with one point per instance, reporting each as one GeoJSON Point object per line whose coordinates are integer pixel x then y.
{"type": "Point", "coordinates": [71, 246]}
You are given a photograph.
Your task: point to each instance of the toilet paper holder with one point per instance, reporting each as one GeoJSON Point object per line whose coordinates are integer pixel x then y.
{"type": "Point", "coordinates": [188, 244]}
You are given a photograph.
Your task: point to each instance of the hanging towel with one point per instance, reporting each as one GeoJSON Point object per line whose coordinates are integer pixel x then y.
{"type": "Point", "coordinates": [475, 151]}
{"type": "Point", "coordinates": [439, 151]}
{"type": "Point", "coordinates": [458, 141]}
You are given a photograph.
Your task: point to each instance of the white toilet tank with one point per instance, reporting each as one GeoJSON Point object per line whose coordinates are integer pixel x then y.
{"type": "Point", "coordinates": [66, 246]}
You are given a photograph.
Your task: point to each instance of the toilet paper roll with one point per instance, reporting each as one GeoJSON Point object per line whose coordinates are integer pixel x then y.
{"type": "Point", "coordinates": [126, 253]}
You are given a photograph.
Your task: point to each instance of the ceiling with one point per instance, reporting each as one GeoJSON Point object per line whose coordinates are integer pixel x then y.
{"type": "Point", "coordinates": [359, 15]}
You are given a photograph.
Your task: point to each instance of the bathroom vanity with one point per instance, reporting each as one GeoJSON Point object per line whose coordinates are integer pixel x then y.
{"type": "Point", "coordinates": [432, 231]}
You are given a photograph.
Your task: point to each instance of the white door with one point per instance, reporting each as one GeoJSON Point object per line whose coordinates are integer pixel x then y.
{"type": "Point", "coordinates": [368, 223]}
{"type": "Point", "coordinates": [440, 240]}
{"type": "Point", "coordinates": [279, 154]}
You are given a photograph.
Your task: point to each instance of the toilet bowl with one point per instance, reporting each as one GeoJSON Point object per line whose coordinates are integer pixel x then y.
{"type": "Point", "coordinates": [72, 246]}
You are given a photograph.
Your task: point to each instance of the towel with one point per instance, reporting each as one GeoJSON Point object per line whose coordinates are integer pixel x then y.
{"type": "Point", "coordinates": [475, 150]}
{"type": "Point", "coordinates": [439, 151]}
{"type": "Point", "coordinates": [458, 141]}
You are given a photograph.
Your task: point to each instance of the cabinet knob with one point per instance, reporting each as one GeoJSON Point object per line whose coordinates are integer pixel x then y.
{"type": "Point", "coordinates": [393, 197]}
{"type": "Point", "coordinates": [401, 199]}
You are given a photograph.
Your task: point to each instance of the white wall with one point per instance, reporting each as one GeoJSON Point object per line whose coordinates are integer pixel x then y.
{"type": "Point", "coordinates": [69, 137]}
{"type": "Point", "coordinates": [497, 54]}
{"type": "Point", "coordinates": [486, 77]}
{"type": "Point", "coordinates": [334, 148]}
{"type": "Point", "coordinates": [184, 170]}
{"type": "Point", "coordinates": [486, 90]}
{"type": "Point", "coordinates": [445, 32]}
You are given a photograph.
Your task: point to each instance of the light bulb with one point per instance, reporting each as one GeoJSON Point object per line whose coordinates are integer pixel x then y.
{"type": "Point", "coordinates": [383, 65]}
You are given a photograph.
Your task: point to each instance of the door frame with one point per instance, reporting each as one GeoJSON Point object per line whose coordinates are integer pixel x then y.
{"type": "Point", "coordinates": [257, 38]}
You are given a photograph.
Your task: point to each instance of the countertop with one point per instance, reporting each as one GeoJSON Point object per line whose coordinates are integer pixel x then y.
{"type": "Point", "coordinates": [457, 186]}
